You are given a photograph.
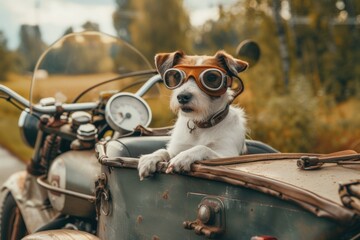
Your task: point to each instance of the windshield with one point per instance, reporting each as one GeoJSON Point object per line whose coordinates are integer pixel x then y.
{"type": "Point", "coordinates": [79, 61]}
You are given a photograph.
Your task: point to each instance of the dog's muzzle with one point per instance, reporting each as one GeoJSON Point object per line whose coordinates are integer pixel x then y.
{"type": "Point", "coordinates": [210, 79]}
{"type": "Point", "coordinates": [184, 98]}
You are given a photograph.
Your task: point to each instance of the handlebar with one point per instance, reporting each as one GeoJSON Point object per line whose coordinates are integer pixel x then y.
{"type": "Point", "coordinates": [45, 109]}
{"type": "Point", "coordinates": [12, 94]}
{"type": "Point", "coordinates": [149, 83]}
{"type": "Point", "coordinates": [69, 107]}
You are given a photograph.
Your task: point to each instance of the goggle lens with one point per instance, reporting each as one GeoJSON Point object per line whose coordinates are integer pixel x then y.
{"type": "Point", "coordinates": [173, 78]}
{"type": "Point", "coordinates": [212, 79]}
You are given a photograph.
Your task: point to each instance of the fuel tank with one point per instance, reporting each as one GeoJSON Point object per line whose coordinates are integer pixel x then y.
{"type": "Point", "coordinates": [74, 171]}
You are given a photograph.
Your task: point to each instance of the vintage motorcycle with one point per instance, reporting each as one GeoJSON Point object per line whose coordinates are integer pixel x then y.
{"type": "Point", "coordinates": [91, 103]}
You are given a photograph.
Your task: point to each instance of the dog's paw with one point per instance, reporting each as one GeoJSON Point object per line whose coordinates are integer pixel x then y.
{"type": "Point", "coordinates": [181, 163]}
{"type": "Point", "coordinates": [147, 163]}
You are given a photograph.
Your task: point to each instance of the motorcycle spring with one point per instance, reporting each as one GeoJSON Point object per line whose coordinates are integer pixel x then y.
{"type": "Point", "coordinates": [50, 149]}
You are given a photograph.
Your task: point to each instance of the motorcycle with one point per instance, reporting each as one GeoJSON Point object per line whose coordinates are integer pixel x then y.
{"type": "Point", "coordinates": [91, 103]}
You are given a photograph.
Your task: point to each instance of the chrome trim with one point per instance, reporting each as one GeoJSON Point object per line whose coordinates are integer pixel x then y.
{"type": "Point", "coordinates": [22, 118]}
{"type": "Point", "coordinates": [42, 182]}
{"type": "Point", "coordinates": [21, 125]}
{"type": "Point", "coordinates": [67, 107]}
{"type": "Point", "coordinates": [20, 99]}
{"type": "Point", "coordinates": [46, 109]}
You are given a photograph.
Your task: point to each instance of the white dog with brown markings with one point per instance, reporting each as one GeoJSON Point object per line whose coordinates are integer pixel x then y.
{"type": "Point", "coordinates": [207, 126]}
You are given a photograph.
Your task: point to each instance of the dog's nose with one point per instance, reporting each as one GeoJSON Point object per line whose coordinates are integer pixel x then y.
{"type": "Point", "coordinates": [184, 98]}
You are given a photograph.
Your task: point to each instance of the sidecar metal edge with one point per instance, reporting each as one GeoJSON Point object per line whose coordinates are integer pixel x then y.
{"type": "Point", "coordinates": [29, 197]}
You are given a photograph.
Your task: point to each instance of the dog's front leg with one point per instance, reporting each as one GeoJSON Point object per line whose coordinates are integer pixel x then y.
{"type": "Point", "coordinates": [147, 163]}
{"type": "Point", "coordinates": [183, 161]}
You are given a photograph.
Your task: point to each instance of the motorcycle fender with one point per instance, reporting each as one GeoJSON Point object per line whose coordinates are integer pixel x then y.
{"type": "Point", "coordinates": [63, 234]}
{"type": "Point", "coordinates": [15, 182]}
{"type": "Point", "coordinates": [30, 198]}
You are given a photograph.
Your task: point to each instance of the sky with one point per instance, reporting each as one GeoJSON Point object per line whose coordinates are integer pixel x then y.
{"type": "Point", "coordinates": [55, 16]}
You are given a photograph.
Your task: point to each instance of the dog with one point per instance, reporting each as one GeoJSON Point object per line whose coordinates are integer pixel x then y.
{"type": "Point", "coordinates": [207, 126]}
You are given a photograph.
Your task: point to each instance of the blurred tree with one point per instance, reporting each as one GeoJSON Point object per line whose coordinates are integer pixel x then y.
{"type": "Point", "coordinates": [122, 18]}
{"type": "Point", "coordinates": [156, 26]}
{"type": "Point", "coordinates": [68, 31]}
{"type": "Point", "coordinates": [31, 46]}
{"type": "Point", "coordinates": [91, 26]}
{"type": "Point", "coordinates": [79, 55]}
{"type": "Point", "coordinates": [317, 39]}
{"type": "Point", "coordinates": [283, 46]}
{"type": "Point", "coordinates": [5, 58]}
{"type": "Point", "coordinates": [246, 19]}
{"type": "Point", "coordinates": [222, 33]}
{"type": "Point", "coordinates": [327, 44]}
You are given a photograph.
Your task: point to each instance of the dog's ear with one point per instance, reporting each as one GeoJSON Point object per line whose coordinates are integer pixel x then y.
{"type": "Point", "coordinates": [164, 61]}
{"type": "Point", "coordinates": [230, 63]}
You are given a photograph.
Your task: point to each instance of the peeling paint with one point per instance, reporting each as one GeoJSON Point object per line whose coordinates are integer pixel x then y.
{"type": "Point", "coordinates": [139, 219]}
{"type": "Point", "coordinates": [155, 238]}
{"type": "Point", "coordinates": [165, 195]}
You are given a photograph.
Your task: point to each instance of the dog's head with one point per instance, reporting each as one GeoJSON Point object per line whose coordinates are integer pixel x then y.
{"type": "Point", "coordinates": [200, 84]}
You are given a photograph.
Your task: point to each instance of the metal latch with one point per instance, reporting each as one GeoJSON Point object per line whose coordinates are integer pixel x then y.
{"type": "Point", "coordinates": [102, 202]}
{"type": "Point", "coordinates": [210, 220]}
{"type": "Point", "coordinates": [315, 162]}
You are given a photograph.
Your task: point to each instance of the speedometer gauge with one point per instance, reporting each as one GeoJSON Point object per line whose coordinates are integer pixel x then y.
{"type": "Point", "coordinates": [125, 111]}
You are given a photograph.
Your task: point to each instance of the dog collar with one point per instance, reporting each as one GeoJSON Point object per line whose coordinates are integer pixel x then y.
{"type": "Point", "coordinates": [212, 121]}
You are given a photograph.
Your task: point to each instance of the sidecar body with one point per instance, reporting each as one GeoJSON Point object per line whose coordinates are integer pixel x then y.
{"type": "Point", "coordinates": [224, 199]}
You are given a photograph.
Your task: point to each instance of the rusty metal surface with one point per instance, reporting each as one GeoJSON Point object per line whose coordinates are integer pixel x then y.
{"type": "Point", "coordinates": [277, 178]}
{"type": "Point", "coordinates": [310, 201]}
{"type": "Point", "coordinates": [210, 221]}
{"type": "Point", "coordinates": [258, 200]}
{"type": "Point", "coordinates": [62, 234]}
{"type": "Point", "coordinates": [323, 182]}
{"type": "Point", "coordinates": [158, 206]}
{"type": "Point", "coordinates": [29, 197]}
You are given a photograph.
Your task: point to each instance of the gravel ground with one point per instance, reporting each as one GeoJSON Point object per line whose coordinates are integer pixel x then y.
{"type": "Point", "coordinates": [8, 165]}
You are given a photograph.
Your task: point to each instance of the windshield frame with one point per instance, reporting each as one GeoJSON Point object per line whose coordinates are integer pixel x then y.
{"type": "Point", "coordinates": [148, 68]}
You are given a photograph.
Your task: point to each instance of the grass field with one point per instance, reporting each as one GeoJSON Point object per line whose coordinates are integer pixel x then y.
{"type": "Point", "coordinates": [291, 123]}
{"type": "Point", "coordinates": [9, 131]}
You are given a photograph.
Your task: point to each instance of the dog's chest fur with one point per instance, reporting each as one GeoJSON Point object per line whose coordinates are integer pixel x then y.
{"type": "Point", "coordinates": [216, 137]}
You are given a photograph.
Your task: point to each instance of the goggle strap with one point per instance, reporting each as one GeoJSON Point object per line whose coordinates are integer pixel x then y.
{"type": "Point", "coordinates": [238, 90]}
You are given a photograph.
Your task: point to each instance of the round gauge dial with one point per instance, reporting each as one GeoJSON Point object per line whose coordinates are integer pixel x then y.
{"type": "Point", "coordinates": [125, 111]}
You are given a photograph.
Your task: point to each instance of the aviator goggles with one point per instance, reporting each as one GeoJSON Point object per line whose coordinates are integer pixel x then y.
{"type": "Point", "coordinates": [211, 79]}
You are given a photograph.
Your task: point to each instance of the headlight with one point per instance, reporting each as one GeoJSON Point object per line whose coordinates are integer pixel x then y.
{"type": "Point", "coordinates": [28, 124]}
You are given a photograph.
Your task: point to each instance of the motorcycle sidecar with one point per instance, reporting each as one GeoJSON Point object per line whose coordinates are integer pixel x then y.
{"type": "Point", "coordinates": [222, 199]}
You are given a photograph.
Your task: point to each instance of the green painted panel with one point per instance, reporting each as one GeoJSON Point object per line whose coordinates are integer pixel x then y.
{"type": "Point", "coordinates": [157, 207]}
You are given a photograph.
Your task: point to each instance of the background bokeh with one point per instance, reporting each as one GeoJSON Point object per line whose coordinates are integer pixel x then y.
{"type": "Point", "coordinates": [302, 96]}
